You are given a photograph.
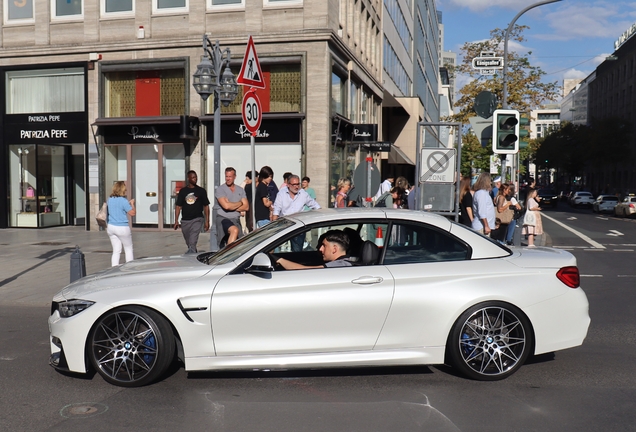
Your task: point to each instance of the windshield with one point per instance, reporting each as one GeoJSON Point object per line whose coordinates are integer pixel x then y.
{"type": "Point", "coordinates": [244, 244]}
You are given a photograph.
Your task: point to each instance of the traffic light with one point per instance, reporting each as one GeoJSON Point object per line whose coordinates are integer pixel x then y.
{"type": "Point", "coordinates": [523, 132]}
{"type": "Point", "coordinates": [505, 124]}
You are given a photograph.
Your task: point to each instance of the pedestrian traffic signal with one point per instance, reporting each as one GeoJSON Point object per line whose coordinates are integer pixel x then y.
{"type": "Point", "coordinates": [505, 131]}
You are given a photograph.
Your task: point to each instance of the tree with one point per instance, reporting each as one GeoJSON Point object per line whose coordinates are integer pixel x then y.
{"type": "Point", "coordinates": [526, 91]}
{"type": "Point", "coordinates": [474, 156]}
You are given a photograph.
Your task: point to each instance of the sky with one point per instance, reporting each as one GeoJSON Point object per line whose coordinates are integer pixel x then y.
{"type": "Point", "coordinates": [568, 39]}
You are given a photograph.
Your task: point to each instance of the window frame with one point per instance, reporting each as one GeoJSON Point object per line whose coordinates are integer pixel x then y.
{"type": "Point", "coordinates": [225, 7]}
{"type": "Point", "coordinates": [120, 14]}
{"type": "Point", "coordinates": [277, 4]}
{"type": "Point", "coordinates": [167, 11]}
{"type": "Point", "coordinates": [18, 21]}
{"type": "Point", "coordinates": [66, 18]}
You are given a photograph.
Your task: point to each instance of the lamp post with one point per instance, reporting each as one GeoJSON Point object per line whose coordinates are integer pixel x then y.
{"type": "Point", "coordinates": [206, 80]}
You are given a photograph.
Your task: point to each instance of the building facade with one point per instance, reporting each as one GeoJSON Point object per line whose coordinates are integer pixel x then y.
{"type": "Point", "coordinates": [97, 92]}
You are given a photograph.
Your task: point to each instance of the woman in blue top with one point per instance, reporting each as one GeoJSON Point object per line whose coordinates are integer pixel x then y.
{"type": "Point", "coordinates": [119, 208]}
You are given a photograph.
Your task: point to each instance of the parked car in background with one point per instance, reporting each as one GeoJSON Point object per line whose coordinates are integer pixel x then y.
{"type": "Point", "coordinates": [581, 199]}
{"type": "Point", "coordinates": [548, 197]}
{"type": "Point", "coordinates": [604, 203]}
{"type": "Point", "coordinates": [627, 207]}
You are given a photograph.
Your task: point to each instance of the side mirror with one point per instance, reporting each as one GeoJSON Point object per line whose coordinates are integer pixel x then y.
{"type": "Point", "coordinates": [260, 264]}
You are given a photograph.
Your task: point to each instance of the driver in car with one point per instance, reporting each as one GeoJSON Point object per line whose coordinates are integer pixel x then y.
{"type": "Point", "coordinates": [333, 247]}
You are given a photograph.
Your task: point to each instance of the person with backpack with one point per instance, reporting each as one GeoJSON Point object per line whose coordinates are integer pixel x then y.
{"type": "Point", "coordinates": [388, 198]}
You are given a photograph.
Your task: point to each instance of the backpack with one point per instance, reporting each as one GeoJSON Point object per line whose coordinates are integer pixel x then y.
{"type": "Point", "coordinates": [381, 201]}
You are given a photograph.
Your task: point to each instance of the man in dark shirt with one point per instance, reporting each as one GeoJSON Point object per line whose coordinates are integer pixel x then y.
{"type": "Point", "coordinates": [194, 207]}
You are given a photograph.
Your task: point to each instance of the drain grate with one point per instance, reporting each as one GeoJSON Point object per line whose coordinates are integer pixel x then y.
{"type": "Point", "coordinates": [49, 244]}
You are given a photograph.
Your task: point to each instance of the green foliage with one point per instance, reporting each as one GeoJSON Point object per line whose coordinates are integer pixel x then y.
{"type": "Point", "coordinates": [526, 91]}
{"type": "Point", "coordinates": [474, 157]}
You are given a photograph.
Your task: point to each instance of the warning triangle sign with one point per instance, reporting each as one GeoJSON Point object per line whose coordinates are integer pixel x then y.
{"type": "Point", "coordinates": [251, 73]}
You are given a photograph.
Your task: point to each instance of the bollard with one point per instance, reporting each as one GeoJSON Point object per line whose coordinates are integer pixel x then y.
{"type": "Point", "coordinates": [78, 265]}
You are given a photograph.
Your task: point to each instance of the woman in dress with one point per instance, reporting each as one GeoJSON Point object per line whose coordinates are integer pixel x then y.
{"type": "Point", "coordinates": [119, 208]}
{"type": "Point", "coordinates": [504, 212]}
{"type": "Point", "coordinates": [341, 196]}
{"type": "Point", "coordinates": [531, 231]}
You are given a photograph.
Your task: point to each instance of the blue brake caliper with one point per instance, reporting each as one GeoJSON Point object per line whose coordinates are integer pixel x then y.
{"type": "Point", "coordinates": [151, 343]}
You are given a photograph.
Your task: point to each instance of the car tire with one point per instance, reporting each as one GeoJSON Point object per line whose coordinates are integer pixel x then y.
{"type": "Point", "coordinates": [490, 341]}
{"type": "Point", "coordinates": [131, 346]}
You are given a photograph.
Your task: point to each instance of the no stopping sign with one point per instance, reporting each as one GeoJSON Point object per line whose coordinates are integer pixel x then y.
{"type": "Point", "coordinates": [251, 112]}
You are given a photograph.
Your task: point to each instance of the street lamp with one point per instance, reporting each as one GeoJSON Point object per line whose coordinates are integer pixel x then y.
{"type": "Point", "coordinates": [207, 80]}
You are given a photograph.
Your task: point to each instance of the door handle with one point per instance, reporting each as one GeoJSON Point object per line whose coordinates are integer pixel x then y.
{"type": "Point", "coordinates": [367, 280]}
{"type": "Point", "coordinates": [151, 194]}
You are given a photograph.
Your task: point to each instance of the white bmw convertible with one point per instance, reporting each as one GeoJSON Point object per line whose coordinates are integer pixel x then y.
{"type": "Point", "coordinates": [420, 290]}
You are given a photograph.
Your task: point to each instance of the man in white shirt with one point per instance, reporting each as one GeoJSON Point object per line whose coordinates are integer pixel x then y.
{"type": "Point", "coordinates": [385, 186]}
{"type": "Point", "coordinates": [290, 200]}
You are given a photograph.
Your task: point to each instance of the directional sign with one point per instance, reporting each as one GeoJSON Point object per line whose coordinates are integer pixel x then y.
{"type": "Point", "coordinates": [251, 73]}
{"type": "Point", "coordinates": [252, 112]}
{"type": "Point", "coordinates": [488, 63]}
{"type": "Point", "coordinates": [438, 165]}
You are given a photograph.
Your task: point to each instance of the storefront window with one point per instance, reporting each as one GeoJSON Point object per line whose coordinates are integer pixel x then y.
{"type": "Point", "coordinates": [38, 198]}
{"type": "Point", "coordinates": [343, 165]}
{"type": "Point", "coordinates": [45, 91]}
{"type": "Point", "coordinates": [353, 102]}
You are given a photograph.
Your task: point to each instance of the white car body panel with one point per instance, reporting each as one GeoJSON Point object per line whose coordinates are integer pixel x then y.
{"type": "Point", "coordinates": [348, 316]}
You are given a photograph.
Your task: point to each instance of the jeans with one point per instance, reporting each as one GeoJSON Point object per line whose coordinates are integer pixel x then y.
{"type": "Point", "coordinates": [262, 223]}
{"type": "Point", "coordinates": [511, 231]}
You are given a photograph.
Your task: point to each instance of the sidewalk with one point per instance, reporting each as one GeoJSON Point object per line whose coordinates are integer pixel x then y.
{"type": "Point", "coordinates": [36, 263]}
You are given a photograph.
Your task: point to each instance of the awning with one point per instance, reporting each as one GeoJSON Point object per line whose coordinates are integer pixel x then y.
{"type": "Point", "coordinates": [397, 156]}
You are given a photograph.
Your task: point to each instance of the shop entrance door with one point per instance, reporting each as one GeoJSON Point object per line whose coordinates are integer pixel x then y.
{"type": "Point", "coordinates": [157, 172]}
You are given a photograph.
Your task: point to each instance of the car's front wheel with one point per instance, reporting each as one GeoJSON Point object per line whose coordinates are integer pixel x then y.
{"type": "Point", "coordinates": [131, 346]}
{"type": "Point", "coordinates": [490, 341]}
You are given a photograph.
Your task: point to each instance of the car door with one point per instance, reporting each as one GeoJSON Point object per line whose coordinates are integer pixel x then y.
{"type": "Point", "coordinates": [301, 311]}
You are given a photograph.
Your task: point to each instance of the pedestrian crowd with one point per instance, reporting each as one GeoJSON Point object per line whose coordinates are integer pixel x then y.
{"type": "Point", "coordinates": [490, 207]}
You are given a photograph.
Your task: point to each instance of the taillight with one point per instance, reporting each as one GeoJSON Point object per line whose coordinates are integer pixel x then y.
{"type": "Point", "coordinates": [569, 276]}
{"type": "Point", "coordinates": [631, 206]}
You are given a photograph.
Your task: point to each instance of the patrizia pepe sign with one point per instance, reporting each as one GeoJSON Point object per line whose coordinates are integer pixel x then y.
{"type": "Point", "coordinates": [62, 128]}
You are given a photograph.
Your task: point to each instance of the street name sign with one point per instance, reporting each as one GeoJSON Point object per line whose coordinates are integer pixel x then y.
{"type": "Point", "coordinates": [488, 63]}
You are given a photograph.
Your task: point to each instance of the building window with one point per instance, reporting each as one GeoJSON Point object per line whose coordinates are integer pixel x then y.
{"type": "Point", "coordinates": [282, 2]}
{"type": "Point", "coordinates": [67, 9]}
{"type": "Point", "coordinates": [117, 7]}
{"type": "Point", "coordinates": [45, 91]}
{"type": "Point", "coordinates": [147, 93]}
{"type": "Point", "coordinates": [227, 3]}
{"type": "Point", "coordinates": [169, 6]}
{"type": "Point", "coordinates": [337, 94]}
{"type": "Point", "coordinates": [18, 11]}
{"type": "Point", "coordinates": [282, 92]}
{"type": "Point", "coordinates": [353, 102]}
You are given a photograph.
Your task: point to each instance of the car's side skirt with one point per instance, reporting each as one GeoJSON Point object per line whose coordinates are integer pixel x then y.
{"type": "Point", "coordinates": [415, 356]}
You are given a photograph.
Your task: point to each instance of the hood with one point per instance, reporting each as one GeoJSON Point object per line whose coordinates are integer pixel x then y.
{"type": "Point", "coordinates": [139, 272]}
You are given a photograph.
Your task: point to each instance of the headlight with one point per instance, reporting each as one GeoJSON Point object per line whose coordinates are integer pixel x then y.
{"type": "Point", "coordinates": [73, 307]}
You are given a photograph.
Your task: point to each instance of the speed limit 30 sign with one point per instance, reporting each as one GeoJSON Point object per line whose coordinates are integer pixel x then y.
{"type": "Point", "coordinates": [251, 112]}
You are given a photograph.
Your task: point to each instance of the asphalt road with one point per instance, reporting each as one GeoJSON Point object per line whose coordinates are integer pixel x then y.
{"type": "Point", "coordinates": [588, 388]}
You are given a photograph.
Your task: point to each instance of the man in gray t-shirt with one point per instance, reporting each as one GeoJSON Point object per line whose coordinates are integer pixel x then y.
{"type": "Point", "coordinates": [229, 202]}
{"type": "Point", "coordinates": [333, 249]}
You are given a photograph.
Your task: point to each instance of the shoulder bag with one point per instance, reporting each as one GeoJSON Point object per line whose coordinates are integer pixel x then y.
{"type": "Point", "coordinates": [529, 219]}
{"type": "Point", "coordinates": [505, 216]}
{"type": "Point", "coordinates": [102, 216]}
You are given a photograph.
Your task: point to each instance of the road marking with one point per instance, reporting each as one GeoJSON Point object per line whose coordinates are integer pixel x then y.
{"type": "Point", "coordinates": [602, 218]}
{"type": "Point", "coordinates": [579, 234]}
{"type": "Point", "coordinates": [616, 233]}
{"type": "Point", "coordinates": [570, 247]}
{"type": "Point", "coordinates": [594, 250]}
{"type": "Point", "coordinates": [622, 245]}
{"type": "Point", "coordinates": [592, 276]}
{"type": "Point", "coordinates": [626, 276]}
{"type": "Point", "coordinates": [623, 250]}
{"type": "Point", "coordinates": [571, 218]}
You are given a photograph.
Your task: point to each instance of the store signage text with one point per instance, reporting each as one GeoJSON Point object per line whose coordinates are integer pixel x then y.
{"type": "Point", "coordinates": [244, 133]}
{"type": "Point", "coordinates": [623, 38]}
{"type": "Point", "coordinates": [35, 134]}
{"type": "Point", "coordinates": [134, 133]}
{"type": "Point", "coordinates": [44, 118]}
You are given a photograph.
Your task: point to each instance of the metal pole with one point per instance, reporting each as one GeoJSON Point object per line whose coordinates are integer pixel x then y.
{"type": "Point", "coordinates": [252, 204]}
{"type": "Point", "coordinates": [214, 245]}
{"type": "Point", "coordinates": [504, 102]}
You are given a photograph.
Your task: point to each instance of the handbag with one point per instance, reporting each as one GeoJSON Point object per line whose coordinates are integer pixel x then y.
{"type": "Point", "coordinates": [102, 216]}
{"type": "Point", "coordinates": [506, 216]}
{"type": "Point", "coordinates": [529, 219]}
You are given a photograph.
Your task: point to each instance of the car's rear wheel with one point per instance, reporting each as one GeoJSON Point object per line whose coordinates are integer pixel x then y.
{"type": "Point", "coordinates": [131, 346]}
{"type": "Point", "coordinates": [490, 341]}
